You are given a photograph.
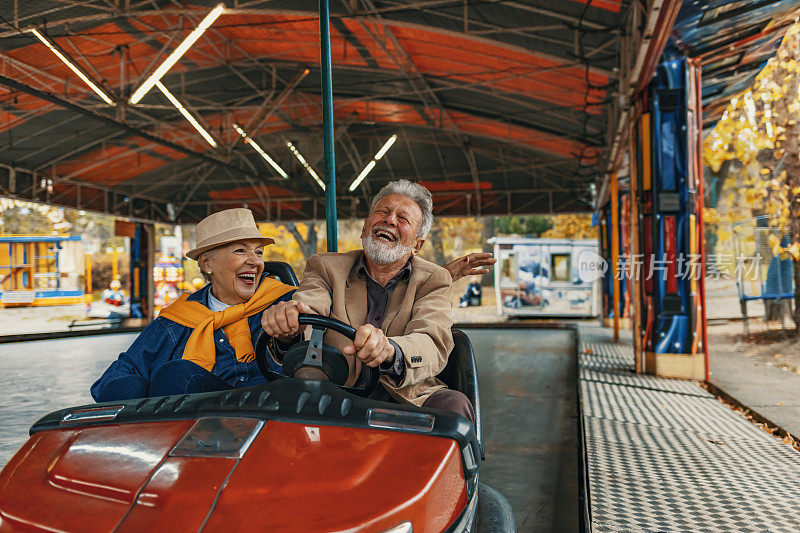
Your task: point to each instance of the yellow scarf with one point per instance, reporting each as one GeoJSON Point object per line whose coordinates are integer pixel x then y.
{"type": "Point", "coordinates": [200, 348]}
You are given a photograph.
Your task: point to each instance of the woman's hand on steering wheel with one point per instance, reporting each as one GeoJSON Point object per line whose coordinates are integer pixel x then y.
{"type": "Point", "coordinates": [282, 319]}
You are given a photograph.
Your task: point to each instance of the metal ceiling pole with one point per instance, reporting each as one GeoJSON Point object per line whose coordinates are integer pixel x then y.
{"type": "Point", "coordinates": [327, 124]}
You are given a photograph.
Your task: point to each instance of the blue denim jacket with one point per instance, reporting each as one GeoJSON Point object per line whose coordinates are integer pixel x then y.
{"type": "Point", "coordinates": [164, 340]}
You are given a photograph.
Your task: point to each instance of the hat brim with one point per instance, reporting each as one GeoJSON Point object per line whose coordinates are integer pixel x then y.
{"type": "Point", "coordinates": [195, 253]}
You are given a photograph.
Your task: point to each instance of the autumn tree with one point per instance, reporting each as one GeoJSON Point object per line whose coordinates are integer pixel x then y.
{"type": "Point", "coordinates": [577, 226]}
{"type": "Point", "coordinates": [286, 247]}
{"type": "Point", "coordinates": [452, 237]}
{"type": "Point", "coordinates": [759, 130]}
{"type": "Point", "coordinates": [307, 244]}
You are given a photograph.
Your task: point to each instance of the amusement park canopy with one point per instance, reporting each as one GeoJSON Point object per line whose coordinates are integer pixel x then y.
{"type": "Point", "coordinates": [497, 106]}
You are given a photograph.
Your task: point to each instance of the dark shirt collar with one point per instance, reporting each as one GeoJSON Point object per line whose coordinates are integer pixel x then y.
{"type": "Point", "coordinates": [403, 275]}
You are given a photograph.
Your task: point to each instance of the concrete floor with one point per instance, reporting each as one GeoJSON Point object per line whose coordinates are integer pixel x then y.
{"type": "Point", "coordinates": [528, 385]}
{"type": "Point", "coordinates": [528, 393]}
{"type": "Point", "coordinates": [42, 376]}
{"type": "Point", "coordinates": [765, 389]}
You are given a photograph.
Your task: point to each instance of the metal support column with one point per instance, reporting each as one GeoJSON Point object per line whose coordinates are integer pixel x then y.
{"type": "Point", "coordinates": [327, 124]}
{"type": "Point", "coordinates": [615, 283]}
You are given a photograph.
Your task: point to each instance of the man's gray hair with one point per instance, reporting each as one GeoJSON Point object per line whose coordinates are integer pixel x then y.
{"type": "Point", "coordinates": [416, 192]}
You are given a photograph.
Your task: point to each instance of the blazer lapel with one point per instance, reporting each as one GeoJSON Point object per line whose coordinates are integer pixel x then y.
{"type": "Point", "coordinates": [355, 299]}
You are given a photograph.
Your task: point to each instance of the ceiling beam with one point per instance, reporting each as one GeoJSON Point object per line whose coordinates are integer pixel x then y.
{"type": "Point", "coordinates": [13, 84]}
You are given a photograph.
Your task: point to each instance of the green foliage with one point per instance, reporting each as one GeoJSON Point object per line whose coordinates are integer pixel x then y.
{"type": "Point", "coordinates": [530, 226]}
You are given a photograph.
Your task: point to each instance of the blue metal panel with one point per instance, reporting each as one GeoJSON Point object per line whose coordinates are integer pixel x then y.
{"type": "Point", "coordinates": [671, 200]}
{"type": "Point", "coordinates": [58, 293]}
{"type": "Point", "coordinates": [33, 238]}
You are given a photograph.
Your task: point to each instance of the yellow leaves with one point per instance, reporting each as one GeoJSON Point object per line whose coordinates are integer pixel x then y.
{"type": "Point", "coordinates": [771, 209]}
{"type": "Point", "coordinates": [778, 250]}
{"type": "Point", "coordinates": [775, 245]}
{"type": "Point", "coordinates": [571, 227]}
{"type": "Point", "coordinates": [710, 215]}
{"type": "Point", "coordinates": [763, 117]}
{"type": "Point", "coordinates": [753, 196]}
{"type": "Point", "coordinates": [794, 250]}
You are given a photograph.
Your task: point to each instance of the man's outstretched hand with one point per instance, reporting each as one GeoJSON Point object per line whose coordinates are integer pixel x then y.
{"type": "Point", "coordinates": [370, 345]}
{"type": "Point", "coordinates": [470, 265]}
{"type": "Point", "coordinates": [281, 320]}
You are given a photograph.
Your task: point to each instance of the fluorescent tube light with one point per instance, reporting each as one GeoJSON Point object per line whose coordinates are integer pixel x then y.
{"type": "Point", "coordinates": [360, 178]}
{"type": "Point", "coordinates": [188, 116]}
{"type": "Point", "coordinates": [302, 160]}
{"type": "Point", "coordinates": [176, 54]}
{"type": "Point", "coordinates": [385, 148]}
{"type": "Point", "coordinates": [261, 152]}
{"type": "Point", "coordinates": [74, 68]}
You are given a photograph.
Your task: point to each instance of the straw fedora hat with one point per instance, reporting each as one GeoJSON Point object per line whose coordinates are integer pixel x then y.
{"type": "Point", "coordinates": [224, 227]}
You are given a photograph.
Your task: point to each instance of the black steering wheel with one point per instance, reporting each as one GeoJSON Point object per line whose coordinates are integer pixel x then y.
{"type": "Point", "coordinates": [316, 360]}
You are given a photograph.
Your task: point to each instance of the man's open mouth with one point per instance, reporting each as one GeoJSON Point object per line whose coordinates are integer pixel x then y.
{"type": "Point", "coordinates": [384, 235]}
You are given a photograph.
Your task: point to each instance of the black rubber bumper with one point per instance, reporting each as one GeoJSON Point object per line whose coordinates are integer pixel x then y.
{"type": "Point", "coordinates": [494, 514]}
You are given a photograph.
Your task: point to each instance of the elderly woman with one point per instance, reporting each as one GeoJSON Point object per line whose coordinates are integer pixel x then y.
{"type": "Point", "coordinates": [205, 342]}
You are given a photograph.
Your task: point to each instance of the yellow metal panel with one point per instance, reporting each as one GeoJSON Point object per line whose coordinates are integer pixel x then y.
{"type": "Point", "coordinates": [63, 300]}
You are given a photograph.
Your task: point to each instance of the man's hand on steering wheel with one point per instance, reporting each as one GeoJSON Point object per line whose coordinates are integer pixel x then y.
{"type": "Point", "coordinates": [371, 346]}
{"type": "Point", "coordinates": [281, 320]}
{"type": "Point", "coordinates": [316, 360]}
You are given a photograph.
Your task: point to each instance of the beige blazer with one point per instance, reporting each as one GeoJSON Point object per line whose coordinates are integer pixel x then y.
{"type": "Point", "coordinates": [418, 318]}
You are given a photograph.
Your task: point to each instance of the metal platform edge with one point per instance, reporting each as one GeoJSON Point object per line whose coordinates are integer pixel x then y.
{"type": "Point", "coordinates": [26, 337]}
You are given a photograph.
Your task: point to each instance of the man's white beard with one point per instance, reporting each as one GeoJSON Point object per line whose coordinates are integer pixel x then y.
{"type": "Point", "coordinates": [382, 253]}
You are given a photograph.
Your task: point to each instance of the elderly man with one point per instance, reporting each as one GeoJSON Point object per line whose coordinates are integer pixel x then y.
{"type": "Point", "coordinates": [399, 303]}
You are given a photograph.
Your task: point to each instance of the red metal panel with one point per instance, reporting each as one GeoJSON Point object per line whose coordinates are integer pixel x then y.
{"type": "Point", "coordinates": [512, 71]}
{"type": "Point", "coordinates": [608, 5]}
{"type": "Point", "coordinates": [319, 478]}
{"type": "Point", "coordinates": [670, 255]}
{"type": "Point", "coordinates": [647, 247]}
{"type": "Point", "coordinates": [295, 38]}
{"type": "Point", "coordinates": [253, 198]}
{"type": "Point", "coordinates": [447, 185]}
{"type": "Point", "coordinates": [250, 192]}
{"type": "Point", "coordinates": [179, 496]}
{"type": "Point", "coordinates": [90, 474]}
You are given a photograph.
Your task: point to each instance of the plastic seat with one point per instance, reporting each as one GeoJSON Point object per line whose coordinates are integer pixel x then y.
{"type": "Point", "coordinates": [461, 374]}
{"type": "Point", "coordinates": [282, 271]}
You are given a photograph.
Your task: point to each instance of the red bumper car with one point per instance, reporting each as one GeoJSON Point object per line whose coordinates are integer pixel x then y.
{"type": "Point", "coordinates": [291, 455]}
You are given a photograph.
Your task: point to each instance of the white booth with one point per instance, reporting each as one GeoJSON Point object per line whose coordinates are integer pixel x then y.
{"type": "Point", "coordinates": [547, 277]}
